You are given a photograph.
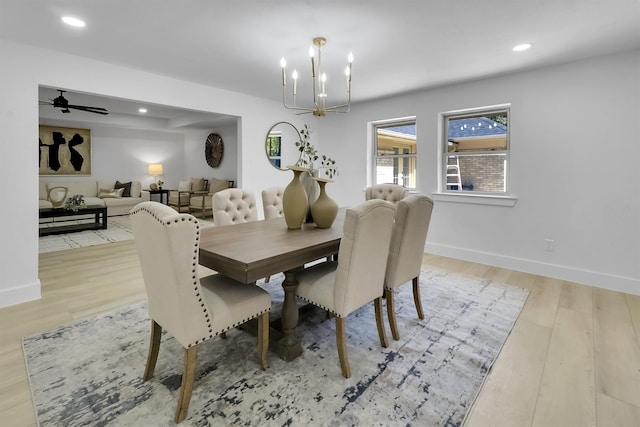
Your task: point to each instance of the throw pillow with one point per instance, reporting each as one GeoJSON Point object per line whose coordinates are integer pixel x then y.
{"type": "Point", "coordinates": [126, 186]}
{"type": "Point", "coordinates": [184, 186]}
{"type": "Point", "coordinates": [110, 194]}
{"type": "Point", "coordinates": [197, 184]}
{"type": "Point", "coordinates": [216, 185]}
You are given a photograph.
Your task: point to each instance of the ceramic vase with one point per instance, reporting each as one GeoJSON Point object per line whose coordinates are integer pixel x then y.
{"type": "Point", "coordinates": [325, 209]}
{"type": "Point", "coordinates": [57, 196]}
{"type": "Point", "coordinates": [294, 200]}
{"type": "Point", "coordinates": [311, 188]}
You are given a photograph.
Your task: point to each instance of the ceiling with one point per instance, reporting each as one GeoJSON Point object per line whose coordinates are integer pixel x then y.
{"type": "Point", "coordinates": [398, 46]}
{"type": "Point", "coordinates": [124, 113]}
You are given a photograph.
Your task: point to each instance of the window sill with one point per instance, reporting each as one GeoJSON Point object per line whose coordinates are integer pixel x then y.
{"type": "Point", "coordinates": [478, 199]}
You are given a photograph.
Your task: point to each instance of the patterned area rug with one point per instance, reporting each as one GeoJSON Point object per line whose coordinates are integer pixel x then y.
{"type": "Point", "coordinates": [90, 373]}
{"type": "Point", "coordinates": [118, 229]}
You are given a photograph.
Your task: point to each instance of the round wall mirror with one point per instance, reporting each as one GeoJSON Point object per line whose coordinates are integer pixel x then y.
{"type": "Point", "coordinates": [280, 145]}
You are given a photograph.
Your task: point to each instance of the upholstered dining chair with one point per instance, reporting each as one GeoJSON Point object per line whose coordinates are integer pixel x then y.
{"type": "Point", "coordinates": [233, 206]}
{"type": "Point", "coordinates": [272, 202]}
{"type": "Point", "coordinates": [190, 308]}
{"type": "Point", "coordinates": [408, 238]}
{"type": "Point", "coordinates": [357, 278]}
{"type": "Point", "coordinates": [389, 192]}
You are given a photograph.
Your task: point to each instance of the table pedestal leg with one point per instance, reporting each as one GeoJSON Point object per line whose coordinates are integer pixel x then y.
{"type": "Point", "coordinates": [289, 346]}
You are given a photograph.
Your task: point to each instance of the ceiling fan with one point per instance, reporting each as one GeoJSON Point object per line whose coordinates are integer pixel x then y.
{"type": "Point", "coordinates": [61, 102]}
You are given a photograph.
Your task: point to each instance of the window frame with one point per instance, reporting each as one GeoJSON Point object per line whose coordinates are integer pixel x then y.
{"type": "Point", "coordinates": [505, 198]}
{"type": "Point", "coordinates": [374, 126]}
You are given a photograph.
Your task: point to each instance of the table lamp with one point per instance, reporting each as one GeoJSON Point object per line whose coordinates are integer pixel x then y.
{"type": "Point", "coordinates": [155, 170]}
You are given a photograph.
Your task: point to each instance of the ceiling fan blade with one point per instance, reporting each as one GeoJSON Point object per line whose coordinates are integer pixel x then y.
{"type": "Point", "coordinates": [62, 103]}
{"type": "Point", "coordinates": [96, 110]}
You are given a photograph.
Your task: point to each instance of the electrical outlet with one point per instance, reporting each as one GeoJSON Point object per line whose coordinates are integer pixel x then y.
{"type": "Point", "coordinates": [549, 245]}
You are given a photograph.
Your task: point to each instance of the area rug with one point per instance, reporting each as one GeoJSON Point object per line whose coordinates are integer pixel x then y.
{"type": "Point", "coordinates": [89, 373]}
{"type": "Point", "coordinates": [118, 229]}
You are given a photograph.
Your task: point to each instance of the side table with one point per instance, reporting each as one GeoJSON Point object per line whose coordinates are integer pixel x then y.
{"type": "Point", "coordinates": [164, 194]}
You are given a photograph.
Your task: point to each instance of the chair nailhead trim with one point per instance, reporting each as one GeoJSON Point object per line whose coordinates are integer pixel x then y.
{"type": "Point", "coordinates": [212, 334]}
{"type": "Point", "coordinates": [318, 305]}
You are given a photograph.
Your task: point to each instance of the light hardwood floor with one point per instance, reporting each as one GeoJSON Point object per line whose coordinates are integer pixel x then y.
{"type": "Point", "coordinates": [572, 359]}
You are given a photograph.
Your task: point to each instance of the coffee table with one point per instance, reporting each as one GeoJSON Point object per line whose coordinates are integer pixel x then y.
{"type": "Point", "coordinates": [99, 212]}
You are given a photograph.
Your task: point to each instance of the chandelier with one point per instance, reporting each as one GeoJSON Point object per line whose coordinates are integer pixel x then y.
{"type": "Point", "coordinates": [319, 85]}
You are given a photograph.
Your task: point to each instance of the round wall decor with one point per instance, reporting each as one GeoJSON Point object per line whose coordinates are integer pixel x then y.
{"type": "Point", "coordinates": [213, 150]}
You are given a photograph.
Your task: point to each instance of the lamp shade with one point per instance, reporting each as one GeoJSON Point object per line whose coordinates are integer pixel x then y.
{"type": "Point", "coordinates": [155, 169]}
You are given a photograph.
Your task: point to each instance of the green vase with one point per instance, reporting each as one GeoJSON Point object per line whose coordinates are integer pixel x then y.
{"type": "Point", "coordinates": [294, 200]}
{"type": "Point", "coordinates": [325, 209]}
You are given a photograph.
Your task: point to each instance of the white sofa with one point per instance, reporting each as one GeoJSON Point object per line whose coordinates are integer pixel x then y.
{"type": "Point", "coordinates": [95, 193]}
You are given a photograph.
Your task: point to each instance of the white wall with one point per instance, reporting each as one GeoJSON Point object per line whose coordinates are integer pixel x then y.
{"type": "Point", "coordinates": [574, 182]}
{"type": "Point", "coordinates": [124, 153]}
{"type": "Point", "coordinates": [195, 162]}
{"type": "Point", "coordinates": [575, 148]}
{"type": "Point", "coordinates": [24, 68]}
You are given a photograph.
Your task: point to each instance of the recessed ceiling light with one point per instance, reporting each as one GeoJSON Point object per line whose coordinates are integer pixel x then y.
{"type": "Point", "coordinates": [74, 22]}
{"type": "Point", "coordinates": [142, 110]}
{"type": "Point", "coordinates": [521, 47]}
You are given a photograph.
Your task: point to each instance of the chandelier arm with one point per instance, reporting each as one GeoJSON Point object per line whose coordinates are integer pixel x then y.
{"type": "Point", "coordinates": [336, 107]}
{"type": "Point", "coordinates": [294, 107]}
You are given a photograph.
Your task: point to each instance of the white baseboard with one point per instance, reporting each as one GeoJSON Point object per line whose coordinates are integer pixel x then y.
{"type": "Point", "coordinates": [20, 294]}
{"type": "Point", "coordinates": [612, 282]}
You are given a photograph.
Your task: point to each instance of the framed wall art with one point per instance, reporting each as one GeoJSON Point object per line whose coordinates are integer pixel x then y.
{"type": "Point", "coordinates": [64, 151]}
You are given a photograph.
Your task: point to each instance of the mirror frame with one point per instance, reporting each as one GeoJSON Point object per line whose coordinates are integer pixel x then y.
{"type": "Point", "coordinates": [266, 144]}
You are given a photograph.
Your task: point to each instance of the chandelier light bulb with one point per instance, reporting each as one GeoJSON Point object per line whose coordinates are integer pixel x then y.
{"type": "Point", "coordinates": [350, 58]}
{"type": "Point", "coordinates": [312, 52]}
{"type": "Point", "coordinates": [294, 75]}
{"type": "Point", "coordinates": [283, 62]}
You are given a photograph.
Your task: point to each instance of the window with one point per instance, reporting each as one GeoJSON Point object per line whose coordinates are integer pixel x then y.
{"type": "Point", "coordinates": [395, 152]}
{"type": "Point", "coordinates": [475, 151]}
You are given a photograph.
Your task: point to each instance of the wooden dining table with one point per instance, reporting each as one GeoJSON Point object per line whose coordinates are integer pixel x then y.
{"type": "Point", "coordinates": [254, 250]}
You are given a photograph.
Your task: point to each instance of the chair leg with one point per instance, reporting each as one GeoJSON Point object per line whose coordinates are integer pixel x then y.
{"type": "Point", "coordinates": [391, 314]}
{"type": "Point", "coordinates": [380, 322]}
{"type": "Point", "coordinates": [416, 297]}
{"type": "Point", "coordinates": [188, 376]}
{"type": "Point", "coordinates": [263, 339]}
{"type": "Point", "coordinates": [154, 347]}
{"type": "Point", "coordinates": [342, 347]}
{"type": "Point", "coordinates": [266, 279]}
